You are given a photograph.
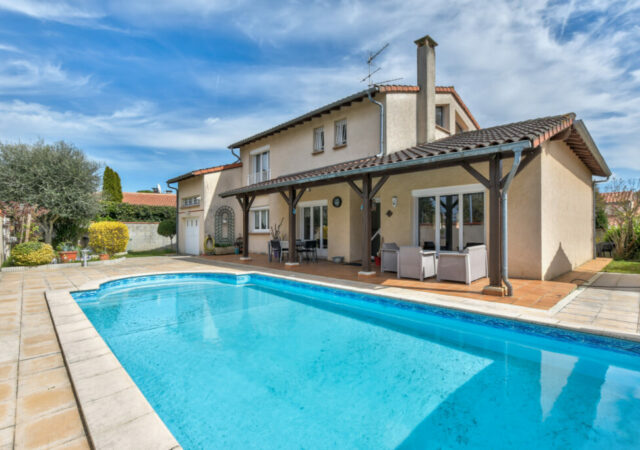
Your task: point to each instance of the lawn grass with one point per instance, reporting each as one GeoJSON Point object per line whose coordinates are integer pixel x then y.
{"type": "Point", "coordinates": [623, 267]}
{"type": "Point", "coordinates": [157, 252]}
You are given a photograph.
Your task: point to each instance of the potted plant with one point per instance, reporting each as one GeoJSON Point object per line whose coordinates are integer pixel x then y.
{"type": "Point", "coordinates": [67, 252]}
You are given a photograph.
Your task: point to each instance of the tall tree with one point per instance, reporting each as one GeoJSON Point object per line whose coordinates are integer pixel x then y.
{"type": "Point", "coordinates": [111, 187]}
{"type": "Point", "coordinates": [57, 177]}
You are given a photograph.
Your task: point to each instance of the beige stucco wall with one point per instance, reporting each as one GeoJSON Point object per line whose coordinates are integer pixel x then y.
{"type": "Point", "coordinates": [567, 212]}
{"type": "Point", "coordinates": [208, 187]}
{"type": "Point", "coordinates": [189, 188]}
{"type": "Point", "coordinates": [400, 121]}
{"type": "Point", "coordinates": [292, 150]}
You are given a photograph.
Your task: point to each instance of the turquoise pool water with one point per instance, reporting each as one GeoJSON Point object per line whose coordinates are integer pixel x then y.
{"type": "Point", "coordinates": [258, 362]}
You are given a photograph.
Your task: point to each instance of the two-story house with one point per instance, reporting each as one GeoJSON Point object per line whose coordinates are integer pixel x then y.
{"type": "Point", "coordinates": [431, 174]}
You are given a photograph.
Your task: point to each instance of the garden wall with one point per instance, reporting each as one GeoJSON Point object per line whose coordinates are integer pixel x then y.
{"type": "Point", "coordinates": [144, 236]}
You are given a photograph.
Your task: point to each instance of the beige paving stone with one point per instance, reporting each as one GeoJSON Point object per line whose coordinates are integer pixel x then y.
{"type": "Point", "coordinates": [8, 413]}
{"type": "Point", "coordinates": [7, 390]}
{"type": "Point", "coordinates": [44, 348]}
{"type": "Point", "coordinates": [8, 370]}
{"type": "Point", "coordinates": [75, 444]}
{"type": "Point", "coordinates": [128, 435]}
{"type": "Point", "coordinates": [57, 428]}
{"type": "Point", "coordinates": [87, 348]}
{"type": "Point", "coordinates": [78, 335]}
{"type": "Point", "coordinates": [615, 325]}
{"type": "Point", "coordinates": [98, 386]}
{"type": "Point", "coordinates": [6, 438]}
{"type": "Point", "coordinates": [41, 363]}
{"type": "Point", "coordinates": [43, 381]}
{"type": "Point", "coordinates": [121, 407]}
{"type": "Point", "coordinates": [36, 404]}
{"type": "Point", "coordinates": [94, 366]}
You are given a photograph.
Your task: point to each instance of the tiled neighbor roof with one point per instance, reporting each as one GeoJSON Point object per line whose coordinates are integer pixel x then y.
{"type": "Point", "coordinates": [615, 197]}
{"type": "Point", "coordinates": [346, 101]}
{"type": "Point", "coordinates": [149, 199]}
{"type": "Point", "coordinates": [536, 131]}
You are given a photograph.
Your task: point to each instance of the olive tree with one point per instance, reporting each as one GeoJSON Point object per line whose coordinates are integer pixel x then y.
{"type": "Point", "coordinates": [57, 177]}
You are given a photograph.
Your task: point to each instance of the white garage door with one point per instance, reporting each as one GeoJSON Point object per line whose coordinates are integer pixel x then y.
{"type": "Point", "coordinates": [192, 237]}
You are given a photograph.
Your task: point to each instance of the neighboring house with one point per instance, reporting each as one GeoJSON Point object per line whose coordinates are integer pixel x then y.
{"type": "Point", "coordinates": [149, 199]}
{"type": "Point", "coordinates": [202, 212]}
{"type": "Point", "coordinates": [615, 201]}
{"type": "Point", "coordinates": [432, 174]}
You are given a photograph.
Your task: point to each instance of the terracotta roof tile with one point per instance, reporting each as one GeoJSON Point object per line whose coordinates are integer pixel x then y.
{"type": "Point", "coordinates": [205, 171]}
{"type": "Point", "coordinates": [149, 199]}
{"type": "Point", "coordinates": [615, 197]}
{"type": "Point", "coordinates": [346, 101]}
{"type": "Point", "coordinates": [536, 131]}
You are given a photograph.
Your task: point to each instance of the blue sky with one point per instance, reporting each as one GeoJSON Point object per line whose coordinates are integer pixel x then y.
{"type": "Point", "coordinates": [157, 88]}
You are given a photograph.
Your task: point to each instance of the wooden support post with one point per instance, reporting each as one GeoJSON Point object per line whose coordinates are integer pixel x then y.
{"type": "Point", "coordinates": [293, 257]}
{"type": "Point", "coordinates": [366, 224]}
{"type": "Point", "coordinates": [495, 274]}
{"type": "Point", "coordinates": [245, 203]}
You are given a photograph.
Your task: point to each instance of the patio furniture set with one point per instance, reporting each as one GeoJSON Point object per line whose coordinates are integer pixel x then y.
{"type": "Point", "coordinates": [305, 249]}
{"type": "Point", "coordinates": [465, 266]}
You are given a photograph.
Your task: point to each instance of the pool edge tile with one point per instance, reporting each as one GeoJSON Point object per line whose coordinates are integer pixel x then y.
{"type": "Point", "coordinates": [103, 388]}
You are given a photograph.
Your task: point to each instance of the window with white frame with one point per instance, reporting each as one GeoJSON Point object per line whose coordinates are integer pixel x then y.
{"type": "Point", "coordinates": [440, 116]}
{"type": "Point", "coordinates": [259, 167]}
{"type": "Point", "coordinates": [260, 220]}
{"type": "Point", "coordinates": [191, 201]}
{"type": "Point", "coordinates": [318, 140]}
{"type": "Point", "coordinates": [341, 133]}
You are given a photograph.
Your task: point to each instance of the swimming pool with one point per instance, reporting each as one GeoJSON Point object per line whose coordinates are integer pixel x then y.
{"type": "Point", "coordinates": [256, 361]}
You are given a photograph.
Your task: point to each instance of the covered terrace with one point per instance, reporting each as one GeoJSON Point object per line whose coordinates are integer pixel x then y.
{"type": "Point", "coordinates": [519, 142]}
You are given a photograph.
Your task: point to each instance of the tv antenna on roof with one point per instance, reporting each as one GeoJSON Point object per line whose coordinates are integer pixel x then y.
{"type": "Point", "coordinates": [370, 59]}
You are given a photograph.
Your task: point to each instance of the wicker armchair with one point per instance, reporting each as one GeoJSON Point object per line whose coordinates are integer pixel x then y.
{"type": "Point", "coordinates": [465, 267]}
{"type": "Point", "coordinates": [413, 262]}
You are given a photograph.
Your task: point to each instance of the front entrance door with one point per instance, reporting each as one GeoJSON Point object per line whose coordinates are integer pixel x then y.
{"type": "Point", "coordinates": [192, 237]}
{"type": "Point", "coordinates": [313, 225]}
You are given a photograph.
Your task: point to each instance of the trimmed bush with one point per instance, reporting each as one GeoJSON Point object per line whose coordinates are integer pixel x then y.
{"type": "Point", "coordinates": [108, 237]}
{"type": "Point", "coordinates": [126, 212]}
{"type": "Point", "coordinates": [32, 254]}
{"type": "Point", "coordinates": [167, 228]}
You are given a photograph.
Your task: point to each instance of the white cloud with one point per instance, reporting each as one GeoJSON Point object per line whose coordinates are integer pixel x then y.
{"type": "Point", "coordinates": [510, 60]}
{"type": "Point", "coordinates": [134, 126]}
{"type": "Point", "coordinates": [46, 10]}
{"type": "Point", "coordinates": [19, 75]}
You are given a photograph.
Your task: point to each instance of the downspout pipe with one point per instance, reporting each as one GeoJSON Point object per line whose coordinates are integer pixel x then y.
{"type": "Point", "coordinates": [517, 156]}
{"type": "Point", "coordinates": [593, 188]}
{"type": "Point", "coordinates": [233, 152]}
{"type": "Point", "coordinates": [177, 217]}
{"type": "Point", "coordinates": [381, 106]}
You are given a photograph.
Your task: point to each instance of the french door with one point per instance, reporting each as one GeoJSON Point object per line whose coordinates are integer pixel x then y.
{"type": "Point", "coordinates": [313, 224]}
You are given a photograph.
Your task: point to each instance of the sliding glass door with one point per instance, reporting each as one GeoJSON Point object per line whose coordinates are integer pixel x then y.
{"type": "Point", "coordinates": [313, 225]}
{"type": "Point", "coordinates": [449, 219]}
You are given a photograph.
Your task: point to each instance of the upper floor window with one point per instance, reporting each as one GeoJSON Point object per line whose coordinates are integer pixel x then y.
{"type": "Point", "coordinates": [440, 116]}
{"type": "Point", "coordinates": [341, 133]}
{"type": "Point", "coordinates": [318, 140]}
{"type": "Point", "coordinates": [259, 167]}
{"type": "Point", "coordinates": [191, 201]}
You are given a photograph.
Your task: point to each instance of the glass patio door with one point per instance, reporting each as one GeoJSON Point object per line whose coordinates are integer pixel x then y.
{"type": "Point", "coordinates": [314, 226]}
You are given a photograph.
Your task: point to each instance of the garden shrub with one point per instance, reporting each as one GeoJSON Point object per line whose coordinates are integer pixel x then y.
{"type": "Point", "coordinates": [32, 254]}
{"type": "Point", "coordinates": [126, 212]}
{"type": "Point", "coordinates": [108, 237]}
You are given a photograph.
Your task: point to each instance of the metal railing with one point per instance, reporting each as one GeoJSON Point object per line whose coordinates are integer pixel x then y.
{"type": "Point", "coordinates": [258, 177]}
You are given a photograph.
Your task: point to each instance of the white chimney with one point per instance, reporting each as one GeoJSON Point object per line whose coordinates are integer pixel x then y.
{"type": "Point", "coordinates": [426, 99]}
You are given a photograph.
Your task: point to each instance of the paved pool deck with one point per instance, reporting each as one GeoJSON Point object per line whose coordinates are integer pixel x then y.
{"type": "Point", "coordinates": [38, 405]}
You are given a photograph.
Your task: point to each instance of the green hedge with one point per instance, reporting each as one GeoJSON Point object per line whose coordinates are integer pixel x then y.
{"type": "Point", "coordinates": [125, 212]}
